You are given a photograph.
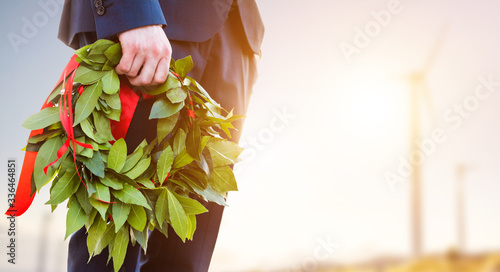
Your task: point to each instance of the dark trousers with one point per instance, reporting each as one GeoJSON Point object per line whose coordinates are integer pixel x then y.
{"type": "Point", "coordinates": [226, 67]}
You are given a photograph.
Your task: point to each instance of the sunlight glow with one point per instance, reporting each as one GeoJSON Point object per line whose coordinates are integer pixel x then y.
{"type": "Point", "coordinates": [374, 106]}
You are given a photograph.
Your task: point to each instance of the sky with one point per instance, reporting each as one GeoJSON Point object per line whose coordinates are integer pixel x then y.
{"type": "Point", "coordinates": [327, 129]}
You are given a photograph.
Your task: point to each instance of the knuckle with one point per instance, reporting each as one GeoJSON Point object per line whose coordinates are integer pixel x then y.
{"type": "Point", "coordinates": [133, 81]}
{"type": "Point", "coordinates": [156, 50]}
{"type": "Point", "coordinates": [159, 80]}
{"type": "Point", "coordinates": [132, 46]}
{"type": "Point", "coordinates": [120, 69]}
{"type": "Point", "coordinates": [142, 49]}
{"type": "Point", "coordinates": [144, 81]}
{"type": "Point", "coordinates": [131, 72]}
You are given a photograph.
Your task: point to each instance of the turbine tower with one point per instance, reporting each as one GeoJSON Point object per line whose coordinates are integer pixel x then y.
{"type": "Point", "coordinates": [419, 89]}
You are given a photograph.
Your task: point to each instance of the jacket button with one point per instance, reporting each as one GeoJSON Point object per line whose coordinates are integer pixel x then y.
{"type": "Point", "coordinates": [100, 10]}
{"type": "Point", "coordinates": [97, 3]}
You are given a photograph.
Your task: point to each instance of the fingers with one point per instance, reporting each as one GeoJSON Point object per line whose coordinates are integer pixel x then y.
{"type": "Point", "coordinates": [161, 72]}
{"type": "Point", "coordinates": [126, 61]}
{"type": "Point", "coordinates": [146, 56]}
{"type": "Point", "coordinates": [147, 73]}
{"type": "Point", "coordinates": [153, 73]}
{"type": "Point", "coordinates": [137, 64]}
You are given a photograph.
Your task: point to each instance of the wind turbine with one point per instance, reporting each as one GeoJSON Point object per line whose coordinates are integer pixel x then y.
{"type": "Point", "coordinates": [419, 89]}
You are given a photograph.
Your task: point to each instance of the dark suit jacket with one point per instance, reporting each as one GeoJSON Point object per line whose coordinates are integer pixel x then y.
{"type": "Point", "coordinates": [185, 20]}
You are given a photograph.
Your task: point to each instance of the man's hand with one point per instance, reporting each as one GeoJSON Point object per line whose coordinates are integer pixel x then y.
{"type": "Point", "coordinates": [146, 55]}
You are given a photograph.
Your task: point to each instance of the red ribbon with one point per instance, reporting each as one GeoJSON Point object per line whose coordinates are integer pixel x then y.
{"type": "Point", "coordinates": [190, 111]}
{"type": "Point", "coordinates": [129, 100]}
{"type": "Point", "coordinates": [66, 117]}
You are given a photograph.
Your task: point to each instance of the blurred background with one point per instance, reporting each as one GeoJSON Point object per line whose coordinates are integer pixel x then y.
{"type": "Point", "coordinates": [372, 140]}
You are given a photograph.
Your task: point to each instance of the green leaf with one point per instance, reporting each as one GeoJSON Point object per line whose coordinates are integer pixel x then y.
{"type": "Point", "coordinates": [148, 148]}
{"type": "Point", "coordinates": [120, 214]}
{"type": "Point", "coordinates": [161, 209]}
{"type": "Point", "coordinates": [232, 118]}
{"type": "Point", "coordinates": [100, 206]}
{"type": "Point", "coordinates": [132, 159]}
{"type": "Point", "coordinates": [206, 163]}
{"type": "Point", "coordinates": [107, 66]}
{"type": "Point", "coordinates": [193, 142]}
{"type": "Point", "coordinates": [182, 184]}
{"type": "Point", "coordinates": [46, 135]}
{"type": "Point", "coordinates": [145, 182]}
{"type": "Point", "coordinates": [131, 195]}
{"type": "Point", "coordinates": [138, 169]}
{"type": "Point", "coordinates": [119, 248]}
{"type": "Point", "coordinates": [94, 234]}
{"type": "Point", "coordinates": [117, 155]}
{"type": "Point", "coordinates": [96, 57]}
{"type": "Point", "coordinates": [67, 164]}
{"type": "Point", "coordinates": [87, 128]}
{"type": "Point", "coordinates": [163, 108]}
{"type": "Point", "coordinates": [225, 127]}
{"type": "Point", "coordinates": [114, 54]}
{"type": "Point", "coordinates": [123, 179]}
{"type": "Point", "coordinates": [83, 52]}
{"type": "Point", "coordinates": [179, 141]}
{"type": "Point", "coordinates": [222, 179]}
{"type": "Point", "coordinates": [76, 217]}
{"type": "Point", "coordinates": [106, 146]}
{"type": "Point", "coordinates": [182, 159]}
{"type": "Point", "coordinates": [91, 218]}
{"type": "Point", "coordinates": [87, 102]}
{"type": "Point", "coordinates": [154, 90]}
{"type": "Point", "coordinates": [211, 195]}
{"type": "Point", "coordinates": [95, 164]}
{"type": "Point", "coordinates": [165, 125]}
{"type": "Point", "coordinates": [196, 87]}
{"type": "Point", "coordinates": [204, 141]}
{"type": "Point", "coordinates": [102, 192]}
{"type": "Point", "coordinates": [113, 100]}
{"type": "Point", "coordinates": [90, 185]}
{"type": "Point", "coordinates": [110, 82]}
{"type": "Point", "coordinates": [46, 155]}
{"type": "Point", "coordinates": [178, 218]}
{"type": "Point", "coordinates": [111, 182]}
{"type": "Point", "coordinates": [137, 217]}
{"type": "Point", "coordinates": [114, 115]}
{"type": "Point", "coordinates": [183, 66]}
{"type": "Point", "coordinates": [65, 187]}
{"type": "Point", "coordinates": [176, 95]}
{"type": "Point", "coordinates": [151, 197]}
{"type": "Point", "coordinates": [192, 226]}
{"type": "Point", "coordinates": [100, 46]}
{"type": "Point", "coordinates": [165, 164]}
{"type": "Point", "coordinates": [83, 199]}
{"type": "Point", "coordinates": [141, 237]}
{"type": "Point", "coordinates": [55, 126]}
{"type": "Point", "coordinates": [223, 152]}
{"type": "Point", "coordinates": [172, 81]}
{"type": "Point", "coordinates": [83, 151]}
{"type": "Point", "coordinates": [86, 75]}
{"type": "Point", "coordinates": [190, 205]}
{"type": "Point", "coordinates": [104, 106]}
{"type": "Point", "coordinates": [194, 178]}
{"type": "Point", "coordinates": [42, 119]}
{"type": "Point", "coordinates": [105, 239]}
{"type": "Point", "coordinates": [103, 128]}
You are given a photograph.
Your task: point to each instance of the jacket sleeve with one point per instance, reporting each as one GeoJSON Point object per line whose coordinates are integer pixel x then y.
{"type": "Point", "coordinates": [116, 16]}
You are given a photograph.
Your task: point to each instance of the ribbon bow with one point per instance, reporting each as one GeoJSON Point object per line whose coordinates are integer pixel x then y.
{"type": "Point", "coordinates": [129, 99]}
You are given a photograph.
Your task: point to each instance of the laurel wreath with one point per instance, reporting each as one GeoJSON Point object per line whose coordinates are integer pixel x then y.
{"type": "Point", "coordinates": [119, 195]}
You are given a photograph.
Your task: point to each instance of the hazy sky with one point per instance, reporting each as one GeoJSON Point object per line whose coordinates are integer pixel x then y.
{"type": "Point", "coordinates": [328, 120]}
